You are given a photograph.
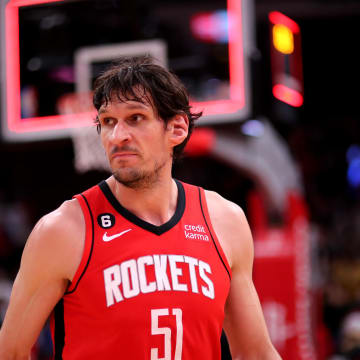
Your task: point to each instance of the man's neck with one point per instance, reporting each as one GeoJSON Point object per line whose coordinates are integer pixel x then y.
{"type": "Point", "coordinates": [155, 204]}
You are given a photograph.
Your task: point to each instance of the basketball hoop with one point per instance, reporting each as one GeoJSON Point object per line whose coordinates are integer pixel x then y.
{"type": "Point", "coordinates": [88, 151]}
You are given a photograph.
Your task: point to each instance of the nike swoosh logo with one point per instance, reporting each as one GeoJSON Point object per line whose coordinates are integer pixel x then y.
{"type": "Point", "coordinates": [107, 238]}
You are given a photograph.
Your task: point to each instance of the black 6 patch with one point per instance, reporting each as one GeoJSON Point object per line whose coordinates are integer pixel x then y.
{"type": "Point", "coordinates": [106, 220]}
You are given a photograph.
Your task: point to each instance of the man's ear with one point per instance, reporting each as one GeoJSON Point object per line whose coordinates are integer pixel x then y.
{"type": "Point", "coordinates": [178, 129]}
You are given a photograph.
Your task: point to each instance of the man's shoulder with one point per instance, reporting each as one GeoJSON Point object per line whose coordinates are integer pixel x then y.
{"type": "Point", "coordinates": [59, 236]}
{"type": "Point", "coordinates": [231, 227]}
{"type": "Point", "coordinates": [223, 209]}
{"type": "Point", "coordinates": [68, 216]}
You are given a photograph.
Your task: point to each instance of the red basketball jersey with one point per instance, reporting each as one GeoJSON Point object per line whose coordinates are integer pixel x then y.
{"type": "Point", "coordinates": [144, 291]}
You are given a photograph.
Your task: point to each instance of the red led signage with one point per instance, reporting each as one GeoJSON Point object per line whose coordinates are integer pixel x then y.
{"type": "Point", "coordinates": [235, 106]}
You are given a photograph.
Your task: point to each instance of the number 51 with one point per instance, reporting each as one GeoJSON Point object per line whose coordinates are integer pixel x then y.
{"type": "Point", "coordinates": [166, 331]}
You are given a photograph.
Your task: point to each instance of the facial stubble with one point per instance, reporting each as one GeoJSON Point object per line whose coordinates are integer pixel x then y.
{"type": "Point", "coordinates": [137, 178]}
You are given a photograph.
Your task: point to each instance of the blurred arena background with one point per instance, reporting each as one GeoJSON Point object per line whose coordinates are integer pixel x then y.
{"type": "Point", "coordinates": [278, 81]}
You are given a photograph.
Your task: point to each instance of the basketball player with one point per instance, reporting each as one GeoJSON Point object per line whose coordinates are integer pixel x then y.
{"type": "Point", "coordinates": [141, 266]}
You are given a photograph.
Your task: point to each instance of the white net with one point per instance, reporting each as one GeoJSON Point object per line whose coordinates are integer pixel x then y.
{"type": "Point", "coordinates": [88, 151]}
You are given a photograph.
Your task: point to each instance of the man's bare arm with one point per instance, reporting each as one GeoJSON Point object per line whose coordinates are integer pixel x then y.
{"type": "Point", "coordinates": [244, 322]}
{"type": "Point", "coordinates": [50, 259]}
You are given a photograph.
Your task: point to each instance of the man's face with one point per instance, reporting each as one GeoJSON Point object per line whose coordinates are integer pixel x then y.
{"type": "Point", "coordinates": [135, 141]}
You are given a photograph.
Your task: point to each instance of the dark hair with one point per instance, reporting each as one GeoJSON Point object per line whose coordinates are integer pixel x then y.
{"type": "Point", "coordinates": [140, 79]}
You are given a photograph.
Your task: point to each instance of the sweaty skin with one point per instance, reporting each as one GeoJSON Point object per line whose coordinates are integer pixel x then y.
{"type": "Point", "coordinates": [136, 142]}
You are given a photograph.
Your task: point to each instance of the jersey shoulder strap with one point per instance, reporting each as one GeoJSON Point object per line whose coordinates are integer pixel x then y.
{"type": "Point", "coordinates": [83, 200]}
{"type": "Point", "coordinates": [214, 238]}
{"type": "Point", "coordinates": [197, 194]}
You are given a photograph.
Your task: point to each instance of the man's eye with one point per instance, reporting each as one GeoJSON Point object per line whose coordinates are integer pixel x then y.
{"type": "Point", "coordinates": [137, 117]}
{"type": "Point", "coordinates": [108, 121]}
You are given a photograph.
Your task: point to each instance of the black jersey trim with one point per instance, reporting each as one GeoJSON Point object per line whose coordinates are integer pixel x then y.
{"type": "Point", "coordinates": [211, 235]}
{"type": "Point", "coordinates": [59, 330]}
{"type": "Point", "coordinates": [157, 230]}
{"type": "Point", "coordinates": [91, 249]}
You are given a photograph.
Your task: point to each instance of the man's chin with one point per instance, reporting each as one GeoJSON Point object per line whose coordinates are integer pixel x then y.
{"type": "Point", "coordinates": [135, 178]}
{"type": "Point", "coordinates": [131, 179]}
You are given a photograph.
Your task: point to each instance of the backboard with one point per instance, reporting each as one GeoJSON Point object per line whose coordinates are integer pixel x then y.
{"type": "Point", "coordinates": [53, 48]}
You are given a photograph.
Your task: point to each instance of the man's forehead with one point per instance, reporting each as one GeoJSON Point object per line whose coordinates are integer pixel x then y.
{"type": "Point", "coordinates": [127, 104]}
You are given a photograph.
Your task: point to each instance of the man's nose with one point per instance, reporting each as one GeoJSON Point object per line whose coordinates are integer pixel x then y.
{"type": "Point", "coordinates": [120, 133]}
